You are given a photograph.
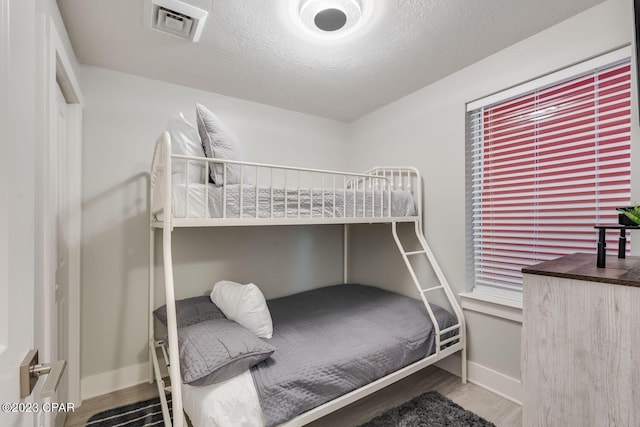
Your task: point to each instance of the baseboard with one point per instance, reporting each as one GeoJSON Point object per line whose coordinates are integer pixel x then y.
{"type": "Point", "coordinates": [494, 381]}
{"type": "Point", "coordinates": [110, 381]}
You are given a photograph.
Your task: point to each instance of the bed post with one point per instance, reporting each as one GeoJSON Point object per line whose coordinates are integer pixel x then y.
{"type": "Point", "coordinates": [151, 295]}
{"type": "Point", "coordinates": [345, 255]}
{"type": "Point", "coordinates": [172, 326]}
{"type": "Point", "coordinates": [161, 177]}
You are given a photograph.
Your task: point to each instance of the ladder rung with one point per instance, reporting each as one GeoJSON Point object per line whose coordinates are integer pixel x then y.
{"type": "Point", "coordinates": [450, 328]}
{"type": "Point", "coordinates": [415, 253]}
{"type": "Point", "coordinates": [448, 340]}
{"type": "Point", "coordinates": [168, 388]}
{"type": "Point", "coordinates": [431, 289]}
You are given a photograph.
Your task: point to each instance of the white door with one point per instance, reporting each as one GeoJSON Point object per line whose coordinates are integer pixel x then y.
{"type": "Point", "coordinates": [33, 259]}
{"type": "Point", "coordinates": [16, 281]}
{"type": "Point", "coordinates": [17, 212]}
{"type": "Point", "coordinates": [16, 305]}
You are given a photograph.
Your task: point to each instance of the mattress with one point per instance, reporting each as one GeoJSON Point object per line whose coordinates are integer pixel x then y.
{"type": "Point", "coordinates": [329, 342]}
{"type": "Point", "coordinates": [278, 203]}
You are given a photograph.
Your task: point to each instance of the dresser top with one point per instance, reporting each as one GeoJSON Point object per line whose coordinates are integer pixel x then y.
{"type": "Point", "coordinates": [581, 266]}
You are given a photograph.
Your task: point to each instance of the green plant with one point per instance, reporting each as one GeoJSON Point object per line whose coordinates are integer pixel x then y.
{"type": "Point", "coordinates": [633, 213]}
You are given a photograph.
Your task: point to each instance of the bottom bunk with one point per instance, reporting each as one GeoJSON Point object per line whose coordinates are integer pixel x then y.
{"type": "Point", "coordinates": [327, 343]}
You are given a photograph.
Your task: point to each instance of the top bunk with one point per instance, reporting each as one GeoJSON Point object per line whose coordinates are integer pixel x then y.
{"type": "Point", "coordinates": [201, 191]}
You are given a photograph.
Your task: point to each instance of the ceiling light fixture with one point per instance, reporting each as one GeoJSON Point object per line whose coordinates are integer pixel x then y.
{"type": "Point", "coordinates": [330, 19]}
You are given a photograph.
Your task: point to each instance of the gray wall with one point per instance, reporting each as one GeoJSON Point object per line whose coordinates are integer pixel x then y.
{"type": "Point", "coordinates": [427, 129]}
{"type": "Point", "coordinates": [123, 117]}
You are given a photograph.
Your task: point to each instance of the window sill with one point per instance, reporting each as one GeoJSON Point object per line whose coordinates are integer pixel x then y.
{"type": "Point", "coordinates": [504, 308]}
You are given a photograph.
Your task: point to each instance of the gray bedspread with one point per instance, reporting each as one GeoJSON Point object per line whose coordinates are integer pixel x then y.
{"type": "Point", "coordinates": [333, 340]}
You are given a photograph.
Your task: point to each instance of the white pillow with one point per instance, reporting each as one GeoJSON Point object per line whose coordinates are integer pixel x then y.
{"type": "Point", "coordinates": [244, 304]}
{"type": "Point", "coordinates": [185, 141]}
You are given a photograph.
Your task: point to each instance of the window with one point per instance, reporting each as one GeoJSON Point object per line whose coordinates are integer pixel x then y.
{"type": "Point", "coordinates": [547, 161]}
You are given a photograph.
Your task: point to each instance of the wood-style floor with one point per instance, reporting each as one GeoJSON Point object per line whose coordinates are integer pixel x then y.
{"type": "Point", "coordinates": [490, 406]}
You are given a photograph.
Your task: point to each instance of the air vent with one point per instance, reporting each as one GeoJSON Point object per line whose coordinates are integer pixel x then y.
{"type": "Point", "coordinates": [175, 18]}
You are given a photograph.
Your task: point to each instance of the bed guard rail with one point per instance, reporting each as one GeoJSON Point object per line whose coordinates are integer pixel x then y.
{"type": "Point", "coordinates": [402, 178]}
{"type": "Point", "coordinates": [250, 190]}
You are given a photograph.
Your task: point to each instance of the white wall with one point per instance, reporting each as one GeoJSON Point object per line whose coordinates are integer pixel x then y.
{"type": "Point", "coordinates": [123, 116]}
{"type": "Point", "coordinates": [427, 129]}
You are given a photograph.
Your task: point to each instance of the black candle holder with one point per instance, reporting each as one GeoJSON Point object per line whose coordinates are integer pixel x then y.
{"type": "Point", "coordinates": [601, 259]}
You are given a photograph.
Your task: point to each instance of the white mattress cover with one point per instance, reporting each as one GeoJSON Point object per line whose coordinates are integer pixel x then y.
{"type": "Point", "coordinates": [231, 403]}
{"type": "Point", "coordinates": [352, 203]}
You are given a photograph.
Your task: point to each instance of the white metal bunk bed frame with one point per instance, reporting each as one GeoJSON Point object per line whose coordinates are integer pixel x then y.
{"type": "Point", "coordinates": [379, 178]}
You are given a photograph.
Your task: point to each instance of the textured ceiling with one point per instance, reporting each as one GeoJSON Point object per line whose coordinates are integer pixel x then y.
{"type": "Point", "coordinates": [252, 49]}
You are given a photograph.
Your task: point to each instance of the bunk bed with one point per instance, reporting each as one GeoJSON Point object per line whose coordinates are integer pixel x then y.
{"type": "Point", "coordinates": [257, 194]}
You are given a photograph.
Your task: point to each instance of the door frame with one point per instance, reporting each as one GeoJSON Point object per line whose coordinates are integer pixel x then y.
{"type": "Point", "coordinates": [59, 72]}
{"type": "Point", "coordinates": [4, 178]}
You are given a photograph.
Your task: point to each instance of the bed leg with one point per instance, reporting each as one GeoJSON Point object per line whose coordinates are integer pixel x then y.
{"type": "Point", "coordinates": [151, 299]}
{"type": "Point", "coordinates": [464, 364]}
{"type": "Point", "coordinates": [345, 255]}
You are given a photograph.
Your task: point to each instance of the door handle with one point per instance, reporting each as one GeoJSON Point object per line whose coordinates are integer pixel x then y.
{"type": "Point", "coordinates": [31, 370]}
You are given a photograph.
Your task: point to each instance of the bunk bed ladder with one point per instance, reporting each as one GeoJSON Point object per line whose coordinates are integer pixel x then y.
{"type": "Point", "coordinates": [442, 284]}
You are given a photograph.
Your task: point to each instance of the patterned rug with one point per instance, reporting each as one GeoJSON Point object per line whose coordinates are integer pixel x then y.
{"type": "Point", "coordinates": [428, 410]}
{"type": "Point", "coordinates": [141, 414]}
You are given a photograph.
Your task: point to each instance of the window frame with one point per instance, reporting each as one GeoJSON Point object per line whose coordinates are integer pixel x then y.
{"type": "Point", "coordinates": [505, 296]}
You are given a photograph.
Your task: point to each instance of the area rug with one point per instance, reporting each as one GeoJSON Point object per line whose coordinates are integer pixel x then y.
{"type": "Point", "coordinates": [428, 410]}
{"type": "Point", "coordinates": [140, 414]}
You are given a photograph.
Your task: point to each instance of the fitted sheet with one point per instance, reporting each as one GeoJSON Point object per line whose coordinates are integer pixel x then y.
{"type": "Point", "coordinates": [278, 203]}
{"type": "Point", "coordinates": [329, 342]}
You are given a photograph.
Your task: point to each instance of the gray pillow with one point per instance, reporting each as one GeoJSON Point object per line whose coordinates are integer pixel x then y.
{"type": "Point", "coordinates": [219, 143]}
{"type": "Point", "coordinates": [218, 349]}
{"type": "Point", "coordinates": [190, 311]}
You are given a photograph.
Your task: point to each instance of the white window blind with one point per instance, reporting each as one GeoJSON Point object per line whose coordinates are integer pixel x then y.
{"type": "Point", "coordinates": [546, 166]}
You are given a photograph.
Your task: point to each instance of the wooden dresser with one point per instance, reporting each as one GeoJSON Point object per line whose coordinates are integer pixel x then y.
{"type": "Point", "coordinates": [581, 343]}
